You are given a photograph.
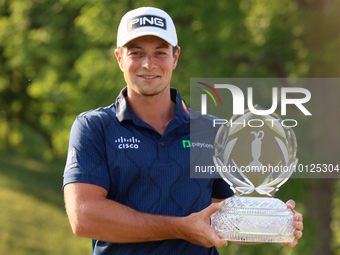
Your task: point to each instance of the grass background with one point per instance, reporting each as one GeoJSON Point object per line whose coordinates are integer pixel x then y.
{"type": "Point", "coordinates": [32, 215]}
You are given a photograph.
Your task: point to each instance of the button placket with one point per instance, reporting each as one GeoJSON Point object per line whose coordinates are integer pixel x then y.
{"type": "Point", "coordinates": [162, 150]}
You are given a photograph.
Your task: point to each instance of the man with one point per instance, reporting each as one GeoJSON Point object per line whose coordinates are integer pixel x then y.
{"type": "Point", "coordinates": [127, 184]}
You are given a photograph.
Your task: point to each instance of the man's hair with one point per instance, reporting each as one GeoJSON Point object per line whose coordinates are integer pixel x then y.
{"type": "Point", "coordinates": [174, 49]}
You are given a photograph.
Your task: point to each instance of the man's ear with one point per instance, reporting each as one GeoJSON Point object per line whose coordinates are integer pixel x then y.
{"type": "Point", "coordinates": [176, 56]}
{"type": "Point", "coordinates": [119, 57]}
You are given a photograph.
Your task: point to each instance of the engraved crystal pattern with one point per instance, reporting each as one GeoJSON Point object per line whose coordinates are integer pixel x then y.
{"type": "Point", "coordinates": [253, 219]}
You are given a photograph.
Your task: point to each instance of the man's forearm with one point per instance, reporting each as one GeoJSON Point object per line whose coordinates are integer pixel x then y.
{"type": "Point", "coordinates": [113, 222]}
{"type": "Point", "coordinates": [93, 216]}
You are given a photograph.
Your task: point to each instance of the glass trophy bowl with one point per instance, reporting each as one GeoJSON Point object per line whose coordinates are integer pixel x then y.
{"type": "Point", "coordinates": [255, 155]}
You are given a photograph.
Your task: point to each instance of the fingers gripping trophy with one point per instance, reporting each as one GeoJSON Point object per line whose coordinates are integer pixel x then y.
{"type": "Point", "coordinates": [255, 155]}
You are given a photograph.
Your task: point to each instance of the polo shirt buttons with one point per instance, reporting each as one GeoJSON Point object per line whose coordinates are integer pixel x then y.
{"type": "Point", "coordinates": [162, 143]}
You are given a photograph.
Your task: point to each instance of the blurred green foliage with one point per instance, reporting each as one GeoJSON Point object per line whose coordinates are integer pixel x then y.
{"type": "Point", "coordinates": [57, 57]}
{"type": "Point", "coordinates": [57, 60]}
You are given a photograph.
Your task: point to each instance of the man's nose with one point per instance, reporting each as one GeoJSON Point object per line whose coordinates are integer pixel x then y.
{"type": "Point", "coordinates": [148, 63]}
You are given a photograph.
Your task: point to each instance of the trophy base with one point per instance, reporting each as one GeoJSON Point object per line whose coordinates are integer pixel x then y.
{"type": "Point", "coordinates": [254, 219]}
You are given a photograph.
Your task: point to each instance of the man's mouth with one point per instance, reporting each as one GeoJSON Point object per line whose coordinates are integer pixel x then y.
{"type": "Point", "coordinates": [148, 76]}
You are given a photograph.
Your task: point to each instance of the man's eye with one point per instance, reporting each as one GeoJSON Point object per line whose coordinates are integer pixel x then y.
{"type": "Point", "coordinates": [135, 53]}
{"type": "Point", "coordinates": [160, 53]}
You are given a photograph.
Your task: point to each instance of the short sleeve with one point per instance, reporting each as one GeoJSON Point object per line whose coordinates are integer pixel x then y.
{"type": "Point", "coordinates": [86, 160]}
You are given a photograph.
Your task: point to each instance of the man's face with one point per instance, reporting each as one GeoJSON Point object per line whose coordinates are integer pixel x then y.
{"type": "Point", "coordinates": [147, 63]}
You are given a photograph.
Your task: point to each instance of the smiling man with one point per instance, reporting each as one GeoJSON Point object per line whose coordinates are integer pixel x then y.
{"type": "Point", "coordinates": [127, 182]}
{"type": "Point", "coordinates": [147, 63]}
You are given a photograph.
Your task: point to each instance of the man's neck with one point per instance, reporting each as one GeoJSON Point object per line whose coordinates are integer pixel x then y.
{"type": "Point", "coordinates": [156, 110]}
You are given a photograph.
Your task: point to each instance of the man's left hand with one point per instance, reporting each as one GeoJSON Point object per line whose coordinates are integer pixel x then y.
{"type": "Point", "coordinates": [297, 224]}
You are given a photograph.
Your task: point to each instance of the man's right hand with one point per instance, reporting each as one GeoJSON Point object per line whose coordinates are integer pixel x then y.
{"type": "Point", "coordinates": [196, 228]}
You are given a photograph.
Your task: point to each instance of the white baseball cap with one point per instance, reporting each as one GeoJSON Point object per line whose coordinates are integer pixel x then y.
{"type": "Point", "coordinates": [146, 21]}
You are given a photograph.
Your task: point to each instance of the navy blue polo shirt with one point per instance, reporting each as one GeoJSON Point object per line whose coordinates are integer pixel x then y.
{"type": "Point", "coordinates": [112, 148]}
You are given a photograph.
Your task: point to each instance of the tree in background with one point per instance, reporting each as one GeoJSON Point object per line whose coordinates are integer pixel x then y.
{"type": "Point", "coordinates": [57, 57]}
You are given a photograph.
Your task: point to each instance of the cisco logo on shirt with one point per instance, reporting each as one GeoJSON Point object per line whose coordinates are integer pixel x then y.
{"type": "Point", "coordinates": [127, 143]}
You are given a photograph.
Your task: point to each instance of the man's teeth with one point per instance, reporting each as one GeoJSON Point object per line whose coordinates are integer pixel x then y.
{"type": "Point", "coordinates": [148, 77]}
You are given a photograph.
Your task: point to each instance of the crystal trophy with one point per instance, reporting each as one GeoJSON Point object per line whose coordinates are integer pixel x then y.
{"type": "Point", "coordinates": [255, 155]}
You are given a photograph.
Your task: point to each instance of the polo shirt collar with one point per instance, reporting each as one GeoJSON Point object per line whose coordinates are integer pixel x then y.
{"type": "Point", "coordinates": [124, 111]}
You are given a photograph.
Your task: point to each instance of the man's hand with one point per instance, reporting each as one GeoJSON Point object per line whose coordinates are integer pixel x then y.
{"type": "Point", "coordinates": [297, 224]}
{"type": "Point", "coordinates": [197, 229]}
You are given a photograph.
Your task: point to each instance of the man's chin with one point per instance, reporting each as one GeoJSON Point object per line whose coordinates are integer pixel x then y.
{"type": "Point", "coordinates": [152, 92]}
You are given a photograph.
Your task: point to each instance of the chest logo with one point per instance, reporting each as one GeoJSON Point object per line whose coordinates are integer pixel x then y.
{"type": "Point", "coordinates": [127, 143]}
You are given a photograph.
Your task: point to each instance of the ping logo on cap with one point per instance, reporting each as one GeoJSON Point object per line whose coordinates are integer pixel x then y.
{"type": "Point", "coordinates": [146, 21]}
